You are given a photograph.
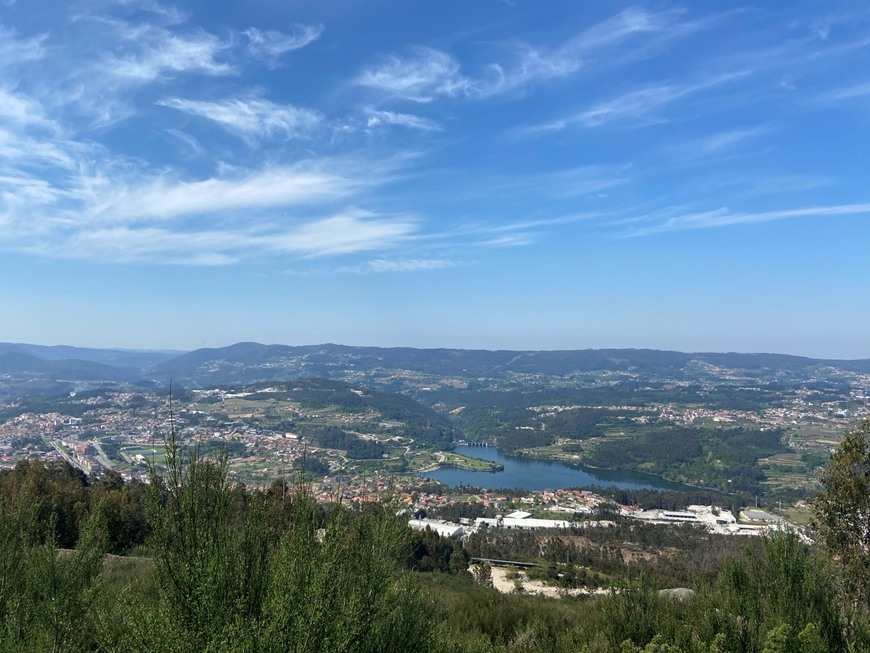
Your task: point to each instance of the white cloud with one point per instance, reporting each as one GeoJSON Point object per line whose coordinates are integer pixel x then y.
{"type": "Point", "coordinates": [604, 45]}
{"type": "Point", "coordinates": [143, 245]}
{"type": "Point", "coordinates": [170, 14]}
{"type": "Point", "coordinates": [108, 212]}
{"type": "Point", "coordinates": [637, 106]}
{"type": "Point", "coordinates": [531, 65]}
{"type": "Point", "coordinates": [565, 183]}
{"type": "Point", "coordinates": [715, 143]}
{"type": "Point", "coordinates": [159, 52]}
{"type": "Point", "coordinates": [164, 198]}
{"type": "Point", "coordinates": [631, 106]}
{"type": "Point", "coordinates": [251, 117]}
{"type": "Point", "coordinates": [189, 141]}
{"type": "Point", "coordinates": [627, 23]}
{"type": "Point", "coordinates": [718, 144]}
{"type": "Point", "coordinates": [346, 233]}
{"type": "Point", "coordinates": [66, 198]}
{"type": "Point", "coordinates": [725, 217]}
{"type": "Point", "coordinates": [269, 45]}
{"type": "Point", "coordinates": [353, 231]}
{"type": "Point", "coordinates": [22, 110]}
{"type": "Point", "coordinates": [429, 73]}
{"type": "Point", "coordinates": [25, 191]}
{"type": "Point", "coordinates": [536, 64]}
{"type": "Point", "coordinates": [14, 50]}
{"type": "Point", "coordinates": [854, 92]}
{"type": "Point", "coordinates": [381, 265]}
{"type": "Point", "coordinates": [422, 77]}
{"type": "Point", "coordinates": [511, 240]}
{"type": "Point", "coordinates": [525, 225]}
{"type": "Point", "coordinates": [379, 118]}
{"type": "Point", "coordinates": [20, 150]}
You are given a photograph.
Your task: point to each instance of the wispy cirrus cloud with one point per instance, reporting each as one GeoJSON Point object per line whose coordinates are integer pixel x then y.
{"type": "Point", "coordinates": [166, 198]}
{"type": "Point", "coordinates": [352, 231]}
{"type": "Point", "coordinates": [381, 118]}
{"type": "Point", "coordinates": [381, 265]}
{"type": "Point", "coordinates": [21, 190]}
{"type": "Point", "coordinates": [858, 91]}
{"type": "Point", "coordinates": [489, 234]}
{"type": "Point", "coordinates": [510, 240]}
{"type": "Point", "coordinates": [593, 46]}
{"type": "Point", "coordinates": [348, 232]}
{"type": "Point", "coordinates": [725, 217]}
{"type": "Point", "coordinates": [192, 145]}
{"type": "Point", "coordinates": [750, 182]}
{"type": "Point", "coordinates": [22, 110]}
{"type": "Point", "coordinates": [427, 73]}
{"type": "Point", "coordinates": [269, 45]}
{"type": "Point", "coordinates": [538, 223]}
{"type": "Point", "coordinates": [24, 151]}
{"type": "Point", "coordinates": [629, 22]}
{"type": "Point", "coordinates": [563, 183]}
{"type": "Point", "coordinates": [251, 118]}
{"type": "Point", "coordinates": [721, 141]}
{"type": "Point", "coordinates": [15, 50]}
{"type": "Point", "coordinates": [63, 198]}
{"type": "Point", "coordinates": [636, 107]}
{"type": "Point", "coordinates": [716, 144]}
{"type": "Point", "coordinates": [149, 52]}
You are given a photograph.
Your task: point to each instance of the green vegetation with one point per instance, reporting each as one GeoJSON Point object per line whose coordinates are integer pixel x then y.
{"type": "Point", "coordinates": [331, 437]}
{"type": "Point", "coordinates": [230, 570]}
{"type": "Point", "coordinates": [843, 509]}
{"type": "Point", "coordinates": [452, 459]}
{"type": "Point", "coordinates": [724, 459]}
{"type": "Point", "coordinates": [426, 426]}
{"type": "Point", "coordinates": [779, 594]}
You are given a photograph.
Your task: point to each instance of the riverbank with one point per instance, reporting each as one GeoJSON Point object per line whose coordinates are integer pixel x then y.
{"type": "Point", "coordinates": [453, 460]}
{"type": "Point", "coordinates": [576, 462]}
{"type": "Point", "coordinates": [468, 463]}
{"type": "Point", "coordinates": [534, 474]}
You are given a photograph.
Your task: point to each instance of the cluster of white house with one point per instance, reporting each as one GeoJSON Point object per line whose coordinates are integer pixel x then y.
{"type": "Point", "coordinates": [715, 520]}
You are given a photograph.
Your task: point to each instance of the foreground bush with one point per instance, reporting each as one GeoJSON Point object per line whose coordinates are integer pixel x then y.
{"type": "Point", "coordinates": [227, 581]}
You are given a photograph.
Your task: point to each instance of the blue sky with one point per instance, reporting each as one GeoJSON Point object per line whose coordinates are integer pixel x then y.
{"type": "Point", "coordinates": [485, 174]}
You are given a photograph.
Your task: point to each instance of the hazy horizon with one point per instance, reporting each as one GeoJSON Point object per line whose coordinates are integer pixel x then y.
{"type": "Point", "coordinates": [179, 351]}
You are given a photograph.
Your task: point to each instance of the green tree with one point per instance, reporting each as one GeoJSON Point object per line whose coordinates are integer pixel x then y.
{"type": "Point", "coordinates": [842, 509]}
{"type": "Point", "coordinates": [228, 581]}
{"type": "Point", "coordinates": [46, 595]}
{"type": "Point", "coordinates": [764, 601]}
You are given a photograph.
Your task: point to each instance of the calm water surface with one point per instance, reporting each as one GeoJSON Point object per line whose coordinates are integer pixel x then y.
{"type": "Point", "coordinates": [523, 473]}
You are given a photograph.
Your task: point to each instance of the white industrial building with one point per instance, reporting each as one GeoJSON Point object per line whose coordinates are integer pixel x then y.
{"type": "Point", "coordinates": [708, 516]}
{"type": "Point", "coordinates": [442, 528]}
{"type": "Point", "coordinates": [521, 520]}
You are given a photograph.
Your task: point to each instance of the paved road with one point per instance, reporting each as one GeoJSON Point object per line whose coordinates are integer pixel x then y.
{"type": "Point", "coordinates": [72, 461]}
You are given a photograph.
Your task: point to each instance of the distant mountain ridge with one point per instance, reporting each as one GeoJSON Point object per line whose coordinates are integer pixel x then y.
{"type": "Point", "coordinates": [247, 362]}
{"type": "Point", "coordinates": [114, 357]}
{"type": "Point", "coordinates": [17, 364]}
{"type": "Point", "coordinates": [469, 363]}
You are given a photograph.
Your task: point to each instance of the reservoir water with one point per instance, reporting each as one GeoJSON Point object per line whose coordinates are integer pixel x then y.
{"type": "Point", "coordinates": [528, 474]}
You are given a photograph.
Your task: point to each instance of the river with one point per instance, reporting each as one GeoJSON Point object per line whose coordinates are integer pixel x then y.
{"type": "Point", "coordinates": [529, 474]}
